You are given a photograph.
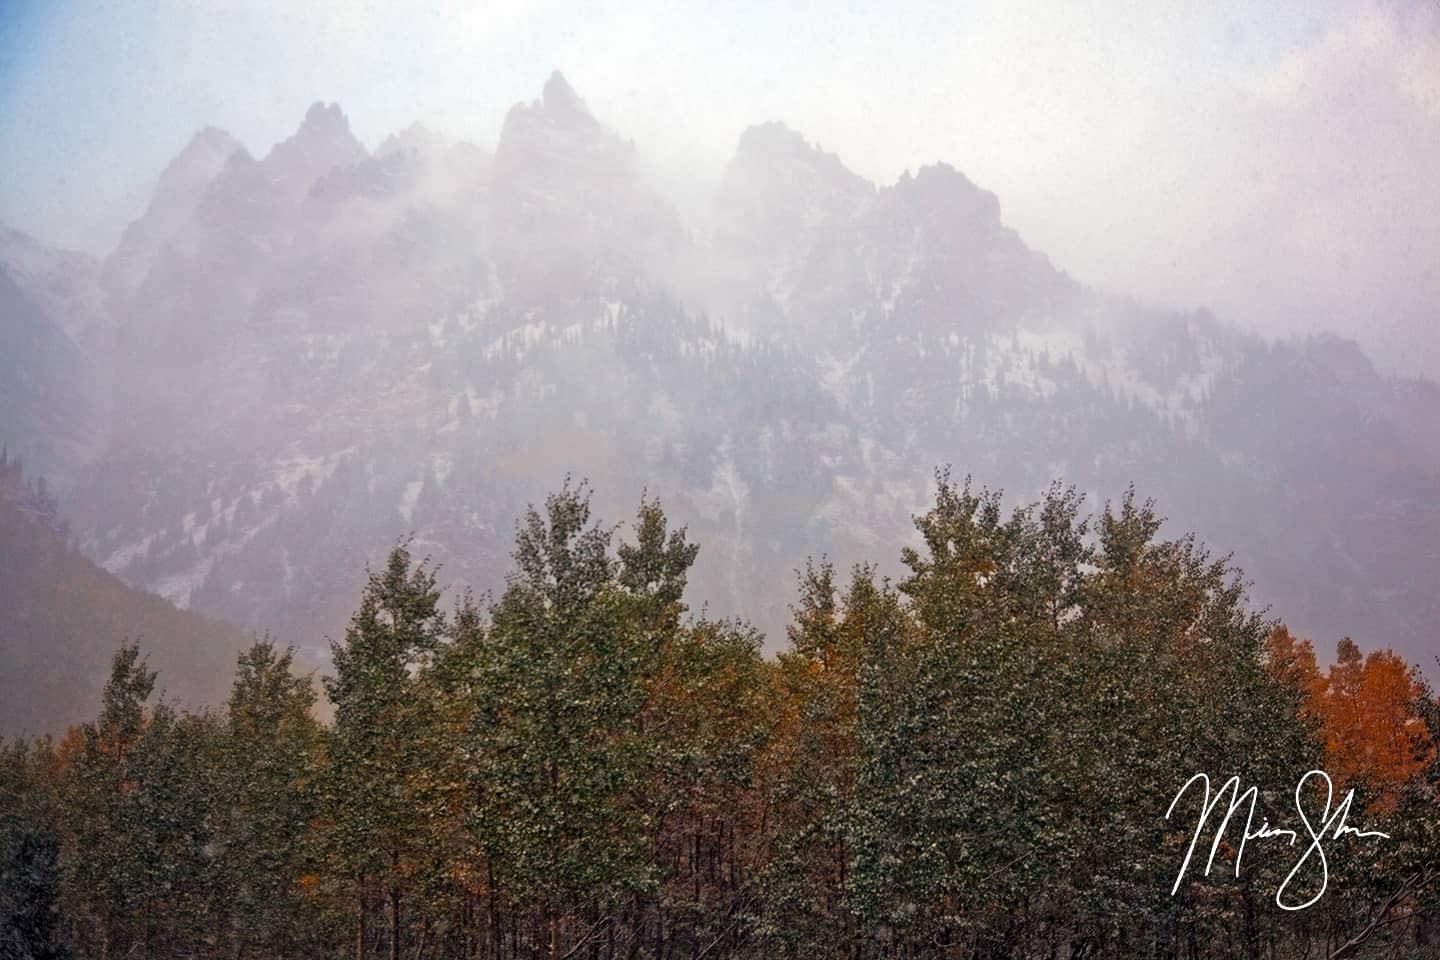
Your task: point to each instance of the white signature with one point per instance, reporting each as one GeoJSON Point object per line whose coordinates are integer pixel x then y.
{"type": "Point", "coordinates": [1333, 824]}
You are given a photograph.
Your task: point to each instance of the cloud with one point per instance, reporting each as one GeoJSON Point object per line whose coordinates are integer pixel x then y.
{"type": "Point", "coordinates": [1318, 207]}
{"type": "Point", "coordinates": [1269, 160]}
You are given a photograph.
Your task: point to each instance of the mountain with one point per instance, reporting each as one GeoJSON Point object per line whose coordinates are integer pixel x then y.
{"type": "Point", "coordinates": [571, 215]}
{"type": "Point", "coordinates": [64, 283]}
{"type": "Point", "coordinates": [64, 617]}
{"type": "Point", "coordinates": [323, 143]}
{"type": "Point", "coordinates": [176, 194]}
{"type": "Point", "coordinates": [54, 352]}
{"type": "Point", "coordinates": [330, 348]}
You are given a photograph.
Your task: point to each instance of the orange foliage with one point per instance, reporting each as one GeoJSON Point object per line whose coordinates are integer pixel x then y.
{"type": "Point", "coordinates": [1293, 661]}
{"type": "Point", "coordinates": [1364, 710]}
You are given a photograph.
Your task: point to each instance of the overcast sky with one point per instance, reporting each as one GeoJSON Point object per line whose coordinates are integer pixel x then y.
{"type": "Point", "coordinates": [1274, 161]}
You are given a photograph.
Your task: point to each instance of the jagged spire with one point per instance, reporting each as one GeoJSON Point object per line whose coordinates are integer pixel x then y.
{"type": "Point", "coordinates": [322, 143]}
{"type": "Point", "coordinates": [560, 98]}
{"type": "Point", "coordinates": [325, 118]}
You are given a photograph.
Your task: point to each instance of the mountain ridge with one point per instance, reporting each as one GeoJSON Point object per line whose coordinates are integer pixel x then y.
{"type": "Point", "coordinates": [65, 616]}
{"type": "Point", "coordinates": [383, 351]}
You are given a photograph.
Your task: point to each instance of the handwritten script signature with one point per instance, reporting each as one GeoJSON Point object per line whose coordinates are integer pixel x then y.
{"type": "Point", "coordinates": [1333, 824]}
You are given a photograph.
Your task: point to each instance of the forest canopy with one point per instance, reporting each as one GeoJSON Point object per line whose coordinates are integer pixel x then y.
{"type": "Point", "coordinates": [972, 761]}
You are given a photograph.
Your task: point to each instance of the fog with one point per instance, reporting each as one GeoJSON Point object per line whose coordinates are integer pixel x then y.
{"type": "Point", "coordinates": [1273, 163]}
{"type": "Point", "coordinates": [712, 479]}
{"type": "Point", "coordinates": [355, 274]}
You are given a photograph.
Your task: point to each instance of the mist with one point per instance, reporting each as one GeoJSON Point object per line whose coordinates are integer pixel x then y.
{"type": "Point", "coordinates": [640, 480]}
{"type": "Point", "coordinates": [286, 287]}
{"type": "Point", "coordinates": [1273, 167]}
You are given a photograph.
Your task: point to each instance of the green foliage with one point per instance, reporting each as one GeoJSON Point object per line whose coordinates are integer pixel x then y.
{"type": "Point", "coordinates": [138, 817]}
{"type": "Point", "coordinates": [1054, 696]}
{"type": "Point", "coordinates": [29, 858]}
{"type": "Point", "coordinates": [377, 828]}
{"type": "Point", "coordinates": [559, 753]}
{"type": "Point", "coordinates": [975, 761]}
{"type": "Point", "coordinates": [270, 779]}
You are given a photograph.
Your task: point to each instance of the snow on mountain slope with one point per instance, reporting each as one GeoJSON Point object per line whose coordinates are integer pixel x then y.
{"type": "Point", "coordinates": [327, 349]}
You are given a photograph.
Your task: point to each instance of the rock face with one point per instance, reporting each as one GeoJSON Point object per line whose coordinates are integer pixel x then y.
{"type": "Point", "coordinates": [571, 215]}
{"type": "Point", "coordinates": [55, 350]}
{"type": "Point", "coordinates": [323, 143]}
{"type": "Point", "coordinates": [177, 193]}
{"type": "Point", "coordinates": [326, 349]}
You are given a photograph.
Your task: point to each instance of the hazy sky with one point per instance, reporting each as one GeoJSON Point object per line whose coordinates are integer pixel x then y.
{"type": "Point", "coordinates": [1275, 161]}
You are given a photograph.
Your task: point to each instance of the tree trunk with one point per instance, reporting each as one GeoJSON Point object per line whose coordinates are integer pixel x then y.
{"type": "Point", "coordinates": [360, 918]}
{"type": "Point", "coordinates": [394, 906]}
{"type": "Point", "coordinates": [495, 934]}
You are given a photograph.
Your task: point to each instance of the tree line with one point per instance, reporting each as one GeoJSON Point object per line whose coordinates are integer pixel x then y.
{"type": "Point", "coordinates": [973, 761]}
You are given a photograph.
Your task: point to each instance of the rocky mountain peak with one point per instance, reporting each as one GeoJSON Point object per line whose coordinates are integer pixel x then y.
{"type": "Point", "coordinates": [416, 138]}
{"type": "Point", "coordinates": [940, 191]}
{"type": "Point", "coordinates": [177, 194]}
{"type": "Point", "coordinates": [557, 124]}
{"type": "Point", "coordinates": [332, 348]}
{"type": "Point", "coordinates": [560, 100]}
{"type": "Point", "coordinates": [322, 143]}
{"type": "Point", "coordinates": [325, 119]}
{"type": "Point", "coordinates": [562, 178]}
{"type": "Point", "coordinates": [197, 164]}
{"type": "Point", "coordinates": [773, 144]}
{"type": "Point", "coordinates": [780, 196]}
{"type": "Point", "coordinates": [186, 176]}
{"type": "Point", "coordinates": [775, 157]}
{"type": "Point", "coordinates": [242, 174]}
{"type": "Point", "coordinates": [438, 163]}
